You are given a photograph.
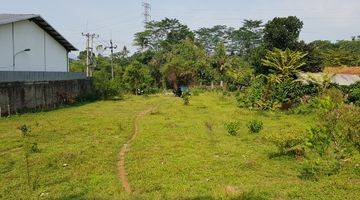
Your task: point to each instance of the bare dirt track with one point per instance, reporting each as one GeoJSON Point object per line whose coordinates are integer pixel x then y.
{"type": "Point", "coordinates": [125, 149]}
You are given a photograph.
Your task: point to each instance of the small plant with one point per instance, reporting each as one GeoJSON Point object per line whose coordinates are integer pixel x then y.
{"type": "Point", "coordinates": [255, 126]}
{"type": "Point", "coordinates": [186, 98]}
{"type": "Point", "coordinates": [29, 147]}
{"type": "Point", "coordinates": [233, 128]}
{"type": "Point", "coordinates": [209, 126]}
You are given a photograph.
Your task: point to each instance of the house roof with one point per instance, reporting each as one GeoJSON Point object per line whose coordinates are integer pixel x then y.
{"type": "Point", "coordinates": [37, 19]}
{"type": "Point", "coordinates": [342, 70]}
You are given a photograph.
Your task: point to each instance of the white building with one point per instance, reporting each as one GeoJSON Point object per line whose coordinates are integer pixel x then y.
{"type": "Point", "coordinates": [29, 43]}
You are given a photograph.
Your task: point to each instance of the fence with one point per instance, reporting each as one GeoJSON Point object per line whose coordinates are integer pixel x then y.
{"type": "Point", "coordinates": [11, 76]}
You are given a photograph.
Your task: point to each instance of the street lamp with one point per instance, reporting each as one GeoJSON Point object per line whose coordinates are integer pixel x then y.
{"type": "Point", "coordinates": [25, 50]}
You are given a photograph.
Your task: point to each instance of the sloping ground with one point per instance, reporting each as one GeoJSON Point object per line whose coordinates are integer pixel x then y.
{"type": "Point", "coordinates": [180, 152]}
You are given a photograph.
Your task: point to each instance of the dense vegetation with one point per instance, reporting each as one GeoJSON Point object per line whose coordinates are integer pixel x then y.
{"type": "Point", "coordinates": [249, 128]}
{"type": "Point", "coordinates": [260, 63]}
{"type": "Point", "coordinates": [170, 55]}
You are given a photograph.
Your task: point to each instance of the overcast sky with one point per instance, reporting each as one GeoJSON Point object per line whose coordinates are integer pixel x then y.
{"type": "Point", "coordinates": [120, 19]}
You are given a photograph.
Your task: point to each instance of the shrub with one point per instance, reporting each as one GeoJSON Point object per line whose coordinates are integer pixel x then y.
{"type": "Point", "coordinates": [289, 144]}
{"type": "Point", "coordinates": [186, 98]}
{"type": "Point", "coordinates": [138, 80]}
{"type": "Point", "coordinates": [255, 126]}
{"type": "Point", "coordinates": [327, 101]}
{"type": "Point", "coordinates": [106, 87]}
{"type": "Point", "coordinates": [252, 97]}
{"type": "Point", "coordinates": [337, 132]}
{"type": "Point", "coordinates": [354, 95]}
{"type": "Point", "coordinates": [233, 128]}
{"type": "Point", "coordinates": [333, 142]}
{"type": "Point", "coordinates": [314, 169]}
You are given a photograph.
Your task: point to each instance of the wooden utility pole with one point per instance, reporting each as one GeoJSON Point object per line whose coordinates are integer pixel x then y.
{"type": "Point", "coordinates": [89, 52]}
{"type": "Point", "coordinates": [112, 47]}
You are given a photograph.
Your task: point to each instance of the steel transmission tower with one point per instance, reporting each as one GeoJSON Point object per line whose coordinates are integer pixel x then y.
{"type": "Point", "coordinates": [147, 10]}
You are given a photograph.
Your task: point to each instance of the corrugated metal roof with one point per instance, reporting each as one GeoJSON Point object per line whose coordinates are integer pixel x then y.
{"type": "Point", "coordinates": [10, 18]}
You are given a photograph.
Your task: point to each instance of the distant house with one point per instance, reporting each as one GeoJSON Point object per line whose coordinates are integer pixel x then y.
{"type": "Point", "coordinates": [29, 43]}
{"type": "Point", "coordinates": [340, 75]}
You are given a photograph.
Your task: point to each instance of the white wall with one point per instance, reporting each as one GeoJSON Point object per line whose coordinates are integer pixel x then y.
{"type": "Point", "coordinates": [46, 53]}
{"type": "Point", "coordinates": [6, 47]}
{"type": "Point", "coordinates": [55, 54]}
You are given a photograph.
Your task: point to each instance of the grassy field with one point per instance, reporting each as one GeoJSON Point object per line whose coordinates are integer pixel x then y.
{"type": "Point", "coordinates": [181, 152]}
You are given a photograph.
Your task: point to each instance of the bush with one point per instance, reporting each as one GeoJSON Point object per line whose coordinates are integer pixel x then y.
{"type": "Point", "coordinates": [337, 132]}
{"type": "Point", "coordinates": [252, 97]}
{"type": "Point", "coordinates": [105, 86]}
{"type": "Point", "coordinates": [327, 101]}
{"type": "Point", "coordinates": [255, 126]}
{"type": "Point", "coordinates": [354, 94]}
{"type": "Point", "coordinates": [138, 80]}
{"type": "Point", "coordinates": [314, 169]}
{"type": "Point", "coordinates": [186, 98]}
{"type": "Point", "coordinates": [233, 128]}
{"type": "Point", "coordinates": [289, 144]}
{"type": "Point", "coordinates": [333, 142]}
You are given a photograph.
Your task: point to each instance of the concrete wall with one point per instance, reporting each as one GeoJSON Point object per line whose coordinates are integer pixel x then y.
{"type": "Point", "coordinates": [46, 53]}
{"type": "Point", "coordinates": [20, 96]}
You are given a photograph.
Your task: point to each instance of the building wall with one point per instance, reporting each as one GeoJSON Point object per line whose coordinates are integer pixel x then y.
{"type": "Point", "coordinates": [46, 53]}
{"type": "Point", "coordinates": [6, 47]}
{"type": "Point", "coordinates": [18, 97]}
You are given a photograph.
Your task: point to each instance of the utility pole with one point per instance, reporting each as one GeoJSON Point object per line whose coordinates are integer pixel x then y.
{"type": "Point", "coordinates": [147, 10]}
{"type": "Point", "coordinates": [89, 52]}
{"type": "Point", "coordinates": [112, 47]}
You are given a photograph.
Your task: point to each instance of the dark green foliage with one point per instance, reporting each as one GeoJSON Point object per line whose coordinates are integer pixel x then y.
{"type": "Point", "coordinates": [209, 38]}
{"type": "Point", "coordinates": [282, 33]}
{"type": "Point", "coordinates": [183, 64]}
{"type": "Point", "coordinates": [106, 87]}
{"type": "Point", "coordinates": [138, 80]}
{"type": "Point", "coordinates": [339, 53]}
{"type": "Point", "coordinates": [162, 34]}
{"type": "Point", "coordinates": [255, 126]}
{"type": "Point", "coordinates": [232, 128]}
{"type": "Point", "coordinates": [251, 97]}
{"type": "Point", "coordinates": [354, 94]}
{"type": "Point", "coordinates": [239, 41]}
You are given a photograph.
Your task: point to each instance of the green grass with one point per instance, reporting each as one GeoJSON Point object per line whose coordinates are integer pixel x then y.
{"type": "Point", "coordinates": [181, 152]}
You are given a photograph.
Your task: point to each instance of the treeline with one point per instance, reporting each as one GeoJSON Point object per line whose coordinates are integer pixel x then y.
{"type": "Point", "coordinates": [170, 55]}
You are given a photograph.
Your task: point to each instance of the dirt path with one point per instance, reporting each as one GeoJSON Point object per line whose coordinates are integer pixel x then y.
{"type": "Point", "coordinates": [125, 149]}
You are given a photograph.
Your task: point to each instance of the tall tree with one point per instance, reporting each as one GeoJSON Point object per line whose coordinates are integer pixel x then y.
{"type": "Point", "coordinates": [162, 34]}
{"type": "Point", "coordinates": [245, 39]}
{"type": "Point", "coordinates": [211, 37]}
{"type": "Point", "coordinates": [282, 33]}
{"type": "Point", "coordinates": [183, 63]}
